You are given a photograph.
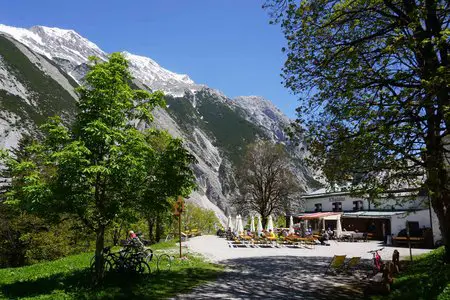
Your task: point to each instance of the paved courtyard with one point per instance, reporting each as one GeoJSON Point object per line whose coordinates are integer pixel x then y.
{"type": "Point", "coordinates": [283, 273]}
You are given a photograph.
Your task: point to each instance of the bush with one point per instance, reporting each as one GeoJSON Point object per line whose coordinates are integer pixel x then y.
{"type": "Point", "coordinates": [195, 217]}
{"type": "Point", "coordinates": [27, 239]}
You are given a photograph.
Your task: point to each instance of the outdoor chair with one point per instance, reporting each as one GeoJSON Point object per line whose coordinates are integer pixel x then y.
{"type": "Point", "coordinates": [336, 263]}
{"type": "Point", "coordinates": [352, 263]}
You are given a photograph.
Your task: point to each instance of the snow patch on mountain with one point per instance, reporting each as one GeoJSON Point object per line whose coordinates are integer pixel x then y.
{"type": "Point", "coordinates": [148, 65]}
{"type": "Point", "coordinates": [71, 51]}
{"type": "Point", "coordinates": [55, 42]}
{"type": "Point", "coordinates": [157, 78]}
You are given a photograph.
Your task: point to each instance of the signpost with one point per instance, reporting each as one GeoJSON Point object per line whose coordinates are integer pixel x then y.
{"type": "Point", "coordinates": [409, 240]}
{"type": "Point", "coordinates": [177, 211]}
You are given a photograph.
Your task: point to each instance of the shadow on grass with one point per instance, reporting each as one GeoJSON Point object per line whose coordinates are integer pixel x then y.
{"type": "Point", "coordinates": [116, 286]}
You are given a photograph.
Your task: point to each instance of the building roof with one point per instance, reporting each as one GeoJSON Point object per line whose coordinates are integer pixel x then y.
{"type": "Point", "coordinates": [323, 192]}
{"type": "Point", "coordinates": [318, 215]}
{"type": "Point", "coordinates": [372, 214]}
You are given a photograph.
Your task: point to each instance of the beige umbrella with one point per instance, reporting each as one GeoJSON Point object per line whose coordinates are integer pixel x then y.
{"type": "Point", "coordinates": [259, 226]}
{"type": "Point", "coordinates": [252, 224]}
{"type": "Point", "coordinates": [236, 223]}
{"type": "Point", "coordinates": [240, 226]}
{"type": "Point", "coordinates": [270, 223]}
{"type": "Point", "coordinates": [291, 225]}
{"type": "Point", "coordinates": [230, 223]}
{"type": "Point", "coordinates": [338, 227]}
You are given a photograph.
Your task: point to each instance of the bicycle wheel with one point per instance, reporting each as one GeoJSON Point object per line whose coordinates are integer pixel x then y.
{"type": "Point", "coordinates": [164, 262]}
{"type": "Point", "coordinates": [107, 267]}
{"type": "Point", "coordinates": [141, 267]}
{"type": "Point", "coordinates": [148, 253]}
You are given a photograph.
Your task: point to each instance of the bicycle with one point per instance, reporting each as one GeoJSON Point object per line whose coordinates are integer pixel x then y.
{"type": "Point", "coordinates": [377, 261]}
{"type": "Point", "coordinates": [127, 260]}
{"type": "Point", "coordinates": [132, 263]}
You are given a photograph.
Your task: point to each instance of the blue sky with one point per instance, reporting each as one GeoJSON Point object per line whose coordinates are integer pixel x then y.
{"type": "Point", "coordinates": [226, 44]}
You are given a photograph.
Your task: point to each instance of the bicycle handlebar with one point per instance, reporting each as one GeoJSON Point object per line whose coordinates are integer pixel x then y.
{"type": "Point", "coordinates": [376, 250]}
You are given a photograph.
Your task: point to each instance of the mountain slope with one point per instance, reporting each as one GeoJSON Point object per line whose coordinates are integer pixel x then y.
{"type": "Point", "coordinates": [39, 68]}
{"type": "Point", "coordinates": [31, 89]}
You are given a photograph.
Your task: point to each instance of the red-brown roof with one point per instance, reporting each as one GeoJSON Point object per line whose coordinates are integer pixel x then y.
{"type": "Point", "coordinates": [317, 215]}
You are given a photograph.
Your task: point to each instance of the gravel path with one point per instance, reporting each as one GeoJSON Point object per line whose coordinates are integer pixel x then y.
{"type": "Point", "coordinates": [282, 273]}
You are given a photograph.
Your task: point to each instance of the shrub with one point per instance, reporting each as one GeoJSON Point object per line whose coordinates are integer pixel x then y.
{"type": "Point", "coordinates": [196, 217]}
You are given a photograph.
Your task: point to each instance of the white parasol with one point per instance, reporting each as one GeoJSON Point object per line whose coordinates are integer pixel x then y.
{"type": "Point", "coordinates": [230, 223]}
{"type": "Point", "coordinates": [259, 226]}
{"type": "Point", "coordinates": [241, 225]}
{"type": "Point", "coordinates": [270, 223]}
{"type": "Point", "coordinates": [291, 225]}
{"type": "Point", "coordinates": [252, 224]}
{"type": "Point", "coordinates": [338, 227]}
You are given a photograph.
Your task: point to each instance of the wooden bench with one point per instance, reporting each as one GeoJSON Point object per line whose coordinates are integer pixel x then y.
{"type": "Point", "coordinates": [403, 240]}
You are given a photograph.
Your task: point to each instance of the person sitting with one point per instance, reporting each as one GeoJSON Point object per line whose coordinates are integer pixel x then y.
{"type": "Point", "coordinates": [324, 237]}
{"type": "Point", "coordinates": [134, 241]}
{"type": "Point", "coordinates": [131, 235]}
{"type": "Point", "coordinates": [396, 261]}
{"type": "Point", "coordinates": [308, 232]}
{"type": "Point", "coordinates": [141, 237]}
{"type": "Point", "coordinates": [330, 233]}
{"type": "Point", "coordinates": [271, 234]}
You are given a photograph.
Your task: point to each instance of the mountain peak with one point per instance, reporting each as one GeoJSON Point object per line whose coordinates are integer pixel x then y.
{"type": "Point", "coordinates": [55, 42]}
{"type": "Point", "coordinates": [150, 66]}
{"type": "Point", "coordinates": [53, 31]}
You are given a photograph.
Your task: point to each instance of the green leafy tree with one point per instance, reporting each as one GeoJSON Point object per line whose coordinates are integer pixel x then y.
{"type": "Point", "coordinates": [92, 170]}
{"type": "Point", "coordinates": [169, 175]}
{"type": "Point", "coordinates": [373, 79]}
{"type": "Point", "coordinates": [266, 183]}
{"type": "Point", "coordinates": [203, 220]}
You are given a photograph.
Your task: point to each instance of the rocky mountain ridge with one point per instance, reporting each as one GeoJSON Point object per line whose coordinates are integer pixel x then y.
{"type": "Point", "coordinates": [215, 128]}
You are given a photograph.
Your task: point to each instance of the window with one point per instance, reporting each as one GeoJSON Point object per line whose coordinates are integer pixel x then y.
{"type": "Point", "coordinates": [318, 207]}
{"type": "Point", "coordinates": [357, 205]}
{"type": "Point", "coordinates": [337, 206]}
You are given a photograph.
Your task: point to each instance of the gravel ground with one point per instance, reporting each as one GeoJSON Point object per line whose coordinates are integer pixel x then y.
{"type": "Point", "coordinates": [283, 273]}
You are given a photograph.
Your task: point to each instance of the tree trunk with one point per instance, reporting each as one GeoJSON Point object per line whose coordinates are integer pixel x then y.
{"type": "Point", "coordinates": [443, 215]}
{"type": "Point", "coordinates": [264, 221]}
{"type": "Point", "coordinates": [438, 186]}
{"type": "Point", "coordinates": [116, 235]}
{"type": "Point", "coordinates": [159, 229]}
{"type": "Point", "coordinates": [99, 259]}
{"type": "Point", "coordinates": [151, 224]}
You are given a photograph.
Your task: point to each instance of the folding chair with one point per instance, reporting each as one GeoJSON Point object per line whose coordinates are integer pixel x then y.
{"type": "Point", "coordinates": [336, 263]}
{"type": "Point", "coordinates": [352, 263]}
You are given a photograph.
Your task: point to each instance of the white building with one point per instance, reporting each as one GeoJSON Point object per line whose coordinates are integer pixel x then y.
{"type": "Point", "coordinates": [385, 216]}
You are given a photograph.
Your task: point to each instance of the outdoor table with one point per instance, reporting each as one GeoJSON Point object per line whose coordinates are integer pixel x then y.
{"type": "Point", "coordinates": [358, 235]}
{"type": "Point", "coordinates": [352, 235]}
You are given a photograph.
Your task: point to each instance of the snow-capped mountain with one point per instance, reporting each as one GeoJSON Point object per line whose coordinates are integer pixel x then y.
{"type": "Point", "coordinates": [40, 66]}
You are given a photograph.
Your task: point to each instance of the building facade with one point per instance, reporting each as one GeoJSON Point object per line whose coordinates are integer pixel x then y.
{"type": "Point", "coordinates": [388, 215]}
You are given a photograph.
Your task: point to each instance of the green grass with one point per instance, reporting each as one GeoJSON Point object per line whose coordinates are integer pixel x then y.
{"type": "Point", "coordinates": [69, 278]}
{"type": "Point", "coordinates": [426, 278]}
